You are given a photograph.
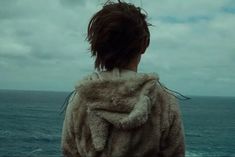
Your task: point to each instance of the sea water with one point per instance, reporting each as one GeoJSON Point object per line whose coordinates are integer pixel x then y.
{"type": "Point", "coordinates": [30, 124]}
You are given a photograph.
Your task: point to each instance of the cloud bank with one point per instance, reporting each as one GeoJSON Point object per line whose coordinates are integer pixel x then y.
{"type": "Point", "coordinates": [43, 46]}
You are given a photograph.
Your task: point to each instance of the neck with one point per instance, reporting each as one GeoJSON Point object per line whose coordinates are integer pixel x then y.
{"type": "Point", "coordinates": [132, 68]}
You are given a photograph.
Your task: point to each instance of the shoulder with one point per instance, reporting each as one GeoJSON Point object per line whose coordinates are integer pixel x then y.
{"type": "Point", "coordinates": [166, 98]}
{"type": "Point", "coordinates": [167, 105]}
{"type": "Point", "coordinates": [72, 102]}
{"type": "Point", "coordinates": [85, 78]}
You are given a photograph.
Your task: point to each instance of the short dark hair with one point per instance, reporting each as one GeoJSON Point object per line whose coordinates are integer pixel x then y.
{"type": "Point", "coordinates": [117, 33]}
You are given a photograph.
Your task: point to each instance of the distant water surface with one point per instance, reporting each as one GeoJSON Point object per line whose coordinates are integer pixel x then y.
{"type": "Point", "coordinates": [31, 124]}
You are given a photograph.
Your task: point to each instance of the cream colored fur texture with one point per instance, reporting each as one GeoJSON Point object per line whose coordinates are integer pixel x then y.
{"type": "Point", "coordinates": [122, 114]}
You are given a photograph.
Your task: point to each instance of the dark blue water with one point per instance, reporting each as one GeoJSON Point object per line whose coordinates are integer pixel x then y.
{"type": "Point", "coordinates": [30, 124]}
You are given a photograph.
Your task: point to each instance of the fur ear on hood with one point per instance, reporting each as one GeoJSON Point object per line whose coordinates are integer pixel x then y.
{"type": "Point", "coordinates": [123, 102]}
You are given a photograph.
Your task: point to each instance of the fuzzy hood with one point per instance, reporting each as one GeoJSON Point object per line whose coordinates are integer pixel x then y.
{"type": "Point", "coordinates": [118, 101]}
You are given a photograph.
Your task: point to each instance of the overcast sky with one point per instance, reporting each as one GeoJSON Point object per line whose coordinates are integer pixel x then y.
{"type": "Point", "coordinates": [43, 46]}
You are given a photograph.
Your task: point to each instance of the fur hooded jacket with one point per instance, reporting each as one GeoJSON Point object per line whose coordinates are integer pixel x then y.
{"type": "Point", "coordinates": [122, 113]}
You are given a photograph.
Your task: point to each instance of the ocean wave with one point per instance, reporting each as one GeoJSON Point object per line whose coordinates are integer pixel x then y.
{"type": "Point", "coordinates": [207, 154]}
{"type": "Point", "coordinates": [34, 152]}
{"type": "Point", "coordinates": [29, 136]}
{"type": "Point", "coordinates": [5, 133]}
{"type": "Point", "coordinates": [45, 136]}
{"type": "Point", "coordinates": [193, 134]}
{"type": "Point", "coordinates": [194, 154]}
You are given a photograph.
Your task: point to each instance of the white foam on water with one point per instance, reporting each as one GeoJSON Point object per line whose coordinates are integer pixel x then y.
{"type": "Point", "coordinates": [35, 151]}
{"type": "Point", "coordinates": [207, 154]}
{"type": "Point", "coordinates": [45, 136]}
{"type": "Point", "coordinates": [194, 154]}
{"type": "Point", "coordinates": [5, 133]}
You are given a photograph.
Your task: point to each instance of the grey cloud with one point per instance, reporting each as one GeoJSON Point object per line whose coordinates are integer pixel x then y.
{"type": "Point", "coordinates": [191, 46]}
{"type": "Point", "coordinates": [48, 39]}
{"type": "Point", "coordinates": [7, 9]}
{"type": "Point", "coordinates": [72, 3]}
{"type": "Point", "coordinates": [185, 8]}
{"type": "Point", "coordinates": [190, 19]}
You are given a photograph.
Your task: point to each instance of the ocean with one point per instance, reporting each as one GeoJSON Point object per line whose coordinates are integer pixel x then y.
{"type": "Point", "coordinates": [30, 124]}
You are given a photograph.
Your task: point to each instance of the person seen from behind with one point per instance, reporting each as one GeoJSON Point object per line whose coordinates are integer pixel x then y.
{"type": "Point", "coordinates": [117, 111]}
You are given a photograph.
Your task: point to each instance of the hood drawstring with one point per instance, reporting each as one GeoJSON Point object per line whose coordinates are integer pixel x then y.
{"type": "Point", "coordinates": [182, 97]}
{"type": "Point", "coordinates": [69, 97]}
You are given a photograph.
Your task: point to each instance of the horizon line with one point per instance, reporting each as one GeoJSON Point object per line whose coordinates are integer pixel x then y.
{"type": "Point", "coordinates": [67, 91]}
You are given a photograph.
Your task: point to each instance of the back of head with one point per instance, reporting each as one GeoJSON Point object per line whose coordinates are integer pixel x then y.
{"type": "Point", "coordinates": [117, 34]}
